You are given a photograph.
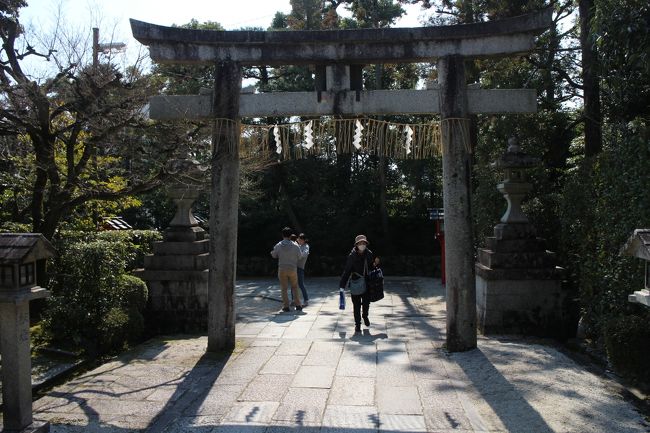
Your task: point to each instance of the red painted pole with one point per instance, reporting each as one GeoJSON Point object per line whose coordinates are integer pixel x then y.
{"type": "Point", "coordinates": [441, 239]}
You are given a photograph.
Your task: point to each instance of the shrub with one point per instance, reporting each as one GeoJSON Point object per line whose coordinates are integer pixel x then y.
{"type": "Point", "coordinates": [139, 242]}
{"type": "Point", "coordinates": [95, 306]}
{"type": "Point", "coordinates": [626, 340]}
{"type": "Point", "coordinates": [604, 201]}
{"type": "Point", "coordinates": [14, 227]}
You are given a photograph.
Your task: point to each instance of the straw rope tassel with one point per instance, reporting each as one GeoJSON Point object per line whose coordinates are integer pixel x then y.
{"type": "Point", "coordinates": [322, 136]}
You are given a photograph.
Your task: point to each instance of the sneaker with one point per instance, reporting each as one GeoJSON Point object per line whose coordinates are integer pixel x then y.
{"type": "Point", "coordinates": [298, 307]}
{"type": "Point", "coordinates": [357, 329]}
{"type": "Point", "coordinates": [286, 309]}
{"type": "Point", "coordinates": [366, 321]}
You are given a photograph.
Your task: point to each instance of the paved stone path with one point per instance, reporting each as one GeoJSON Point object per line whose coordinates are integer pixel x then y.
{"type": "Point", "coordinates": [308, 372]}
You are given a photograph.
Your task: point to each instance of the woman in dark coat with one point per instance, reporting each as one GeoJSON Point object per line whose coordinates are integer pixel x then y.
{"type": "Point", "coordinates": [358, 264]}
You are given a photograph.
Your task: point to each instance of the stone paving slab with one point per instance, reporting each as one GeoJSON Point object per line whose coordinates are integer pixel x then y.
{"type": "Point", "coordinates": [302, 405]}
{"type": "Point", "coordinates": [400, 400]}
{"type": "Point", "coordinates": [353, 391]}
{"type": "Point", "coordinates": [267, 387]}
{"type": "Point", "coordinates": [351, 417]}
{"type": "Point", "coordinates": [309, 372]}
{"type": "Point", "coordinates": [314, 376]}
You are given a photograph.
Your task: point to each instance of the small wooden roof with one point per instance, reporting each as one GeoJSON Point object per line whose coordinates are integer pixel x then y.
{"type": "Point", "coordinates": [24, 247]}
{"type": "Point", "coordinates": [638, 245]}
{"type": "Point", "coordinates": [115, 223]}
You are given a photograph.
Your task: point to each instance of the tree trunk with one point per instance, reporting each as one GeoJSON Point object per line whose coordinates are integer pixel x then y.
{"type": "Point", "coordinates": [590, 81]}
{"type": "Point", "coordinates": [459, 242]}
{"type": "Point", "coordinates": [224, 207]}
{"type": "Point", "coordinates": [40, 183]}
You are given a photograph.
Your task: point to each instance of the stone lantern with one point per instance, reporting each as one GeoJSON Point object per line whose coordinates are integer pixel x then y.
{"type": "Point", "coordinates": [518, 286]}
{"type": "Point", "coordinates": [19, 254]}
{"type": "Point", "coordinates": [177, 272]}
{"type": "Point", "coordinates": [184, 190]}
{"type": "Point", "coordinates": [638, 245]}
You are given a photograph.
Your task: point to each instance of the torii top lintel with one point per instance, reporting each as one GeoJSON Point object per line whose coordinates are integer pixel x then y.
{"type": "Point", "coordinates": [359, 46]}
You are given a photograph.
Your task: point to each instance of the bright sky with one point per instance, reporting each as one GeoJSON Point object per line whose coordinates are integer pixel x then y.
{"type": "Point", "coordinates": [112, 16]}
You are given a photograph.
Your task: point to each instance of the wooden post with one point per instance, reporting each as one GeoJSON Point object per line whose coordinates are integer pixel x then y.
{"type": "Point", "coordinates": [456, 173]}
{"type": "Point", "coordinates": [224, 207]}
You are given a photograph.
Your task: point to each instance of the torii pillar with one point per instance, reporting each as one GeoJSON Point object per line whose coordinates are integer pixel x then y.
{"type": "Point", "coordinates": [224, 206]}
{"type": "Point", "coordinates": [451, 45]}
{"type": "Point", "coordinates": [456, 192]}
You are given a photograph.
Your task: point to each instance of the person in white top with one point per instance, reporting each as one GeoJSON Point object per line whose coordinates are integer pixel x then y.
{"type": "Point", "coordinates": [304, 253]}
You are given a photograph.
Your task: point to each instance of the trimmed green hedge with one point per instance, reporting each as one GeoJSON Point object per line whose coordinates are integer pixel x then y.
{"type": "Point", "coordinates": [95, 305]}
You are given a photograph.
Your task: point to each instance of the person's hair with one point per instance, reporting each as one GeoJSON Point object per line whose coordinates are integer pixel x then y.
{"type": "Point", "coordinates": [286, 232]}
{"type": "Point", "coordinates": [303, 237]}
{"type": "Point", "coordinates": [294, 237]}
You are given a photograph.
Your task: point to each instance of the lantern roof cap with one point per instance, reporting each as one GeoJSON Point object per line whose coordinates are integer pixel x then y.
{"type": "Point", "coordinates": [24, 247]}
{"type": "Point", "coordinates": [638, 244]}
{"type": "Point", "coordinates": [515, 158]}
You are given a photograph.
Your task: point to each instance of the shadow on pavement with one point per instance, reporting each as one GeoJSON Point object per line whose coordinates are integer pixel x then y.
{"type": "Point", "coordinates": [516, 414]}
{"type": "Point", "coordinates": [365, 337]}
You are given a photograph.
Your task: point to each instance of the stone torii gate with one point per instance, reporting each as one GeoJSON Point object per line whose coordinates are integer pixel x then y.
{"type": "Point", "coordinates": [338, 57]}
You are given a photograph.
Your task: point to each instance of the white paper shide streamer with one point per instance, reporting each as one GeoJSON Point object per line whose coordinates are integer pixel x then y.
{"type": "Point", "coordinates": [358, 133]}
{"type": "Point", "coordinates": [409, 139]}
{"type": "Point", "coordinates": [278, 142]}
{"type": "Point", "coordinates": [309, 135]}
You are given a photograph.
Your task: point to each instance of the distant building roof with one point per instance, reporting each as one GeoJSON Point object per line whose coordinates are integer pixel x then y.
{"type": "Point", "coordinates": [24, 247]}
{"type": "Point", "coordinates": [115, 223]}
{"type": "Point", "coordinates": [638, 245]}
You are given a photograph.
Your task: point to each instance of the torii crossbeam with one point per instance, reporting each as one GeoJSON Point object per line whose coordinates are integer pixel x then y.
{"type": "Point", "coordinates": [337, 56]}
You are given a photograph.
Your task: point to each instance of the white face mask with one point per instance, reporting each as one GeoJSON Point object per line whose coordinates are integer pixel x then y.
{"type": "Point", "coordinates": [361, 247]}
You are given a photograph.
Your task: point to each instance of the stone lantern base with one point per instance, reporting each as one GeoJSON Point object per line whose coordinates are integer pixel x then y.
{"type": "Point", "coordinates": [518, 286]}
{"type": "Point", "coordinates": [177, 272]}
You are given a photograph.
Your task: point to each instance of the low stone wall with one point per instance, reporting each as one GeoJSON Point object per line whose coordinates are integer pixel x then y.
{"type": "Point", "coordinates": [318, 266]}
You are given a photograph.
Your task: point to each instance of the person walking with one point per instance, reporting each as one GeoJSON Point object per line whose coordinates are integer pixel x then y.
{"type": "Point", "coordinates": [303, 242]}
{"type": "Point", "coordinates": [357, 265]}
{"type": "Point", "coordinates": [288, 253]}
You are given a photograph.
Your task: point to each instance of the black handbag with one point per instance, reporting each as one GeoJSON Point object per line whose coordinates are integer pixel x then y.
{"type": "Point", "coordinates": [375, 285]}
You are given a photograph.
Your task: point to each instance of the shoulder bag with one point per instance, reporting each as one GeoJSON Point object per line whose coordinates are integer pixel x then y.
{"type": "Point", "coordinates": [357, 285]}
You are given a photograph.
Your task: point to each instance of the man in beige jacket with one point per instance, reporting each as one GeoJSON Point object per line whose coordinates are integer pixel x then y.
{"type": "Point", "coordinates": [288, 254]}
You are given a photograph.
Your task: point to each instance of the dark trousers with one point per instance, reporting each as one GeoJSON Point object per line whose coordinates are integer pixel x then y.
{"type": "Point", "coordinates": [357, 302]}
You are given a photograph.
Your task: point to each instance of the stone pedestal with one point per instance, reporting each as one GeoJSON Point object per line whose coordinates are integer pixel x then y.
{"type": "Point", "coordinates": [16, 361]}
{"type": "Point", "coordinates": [177, 272]}
{"type": "Point", "coordinates": [518, 285]}
{"type": "Point", "coordinates": [638, 245]}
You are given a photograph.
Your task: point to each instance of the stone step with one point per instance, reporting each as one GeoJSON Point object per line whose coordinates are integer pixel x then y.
{"type": "Point", "coordinates": [177, 262]}
{"type": "Point", "coordinates": [181, 248]}
{"type": "Point", "coordinates": [534, 260]}
{"type": "Point", "coordinates": [182, 275]}
{"type": "Point", "coordinates": [514, 231]}
{"type": "Point", "coordinates": [516, 245]}
{"type": "Point", "coordinates": [184, 234]}
{"type": "Point", "coordinates": [518, 273]}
